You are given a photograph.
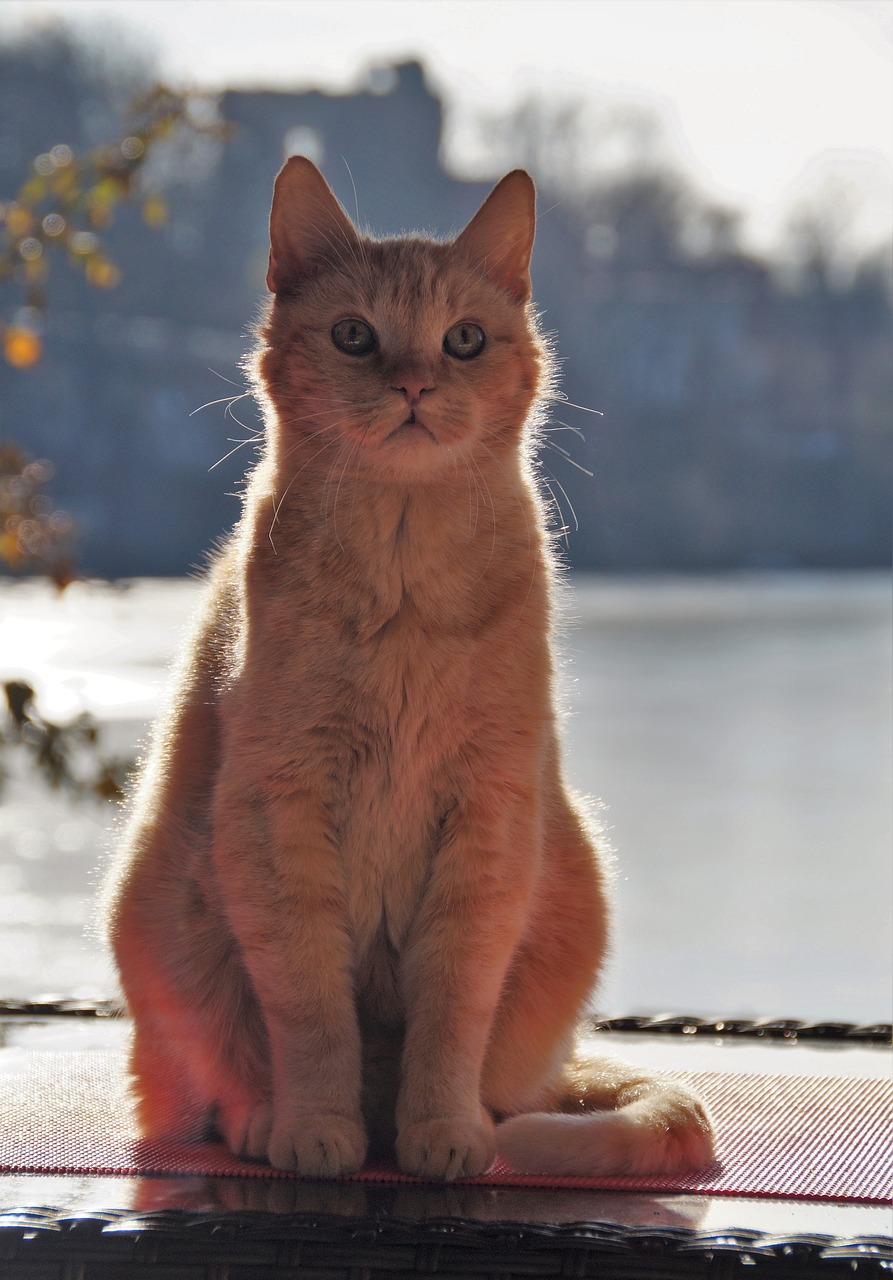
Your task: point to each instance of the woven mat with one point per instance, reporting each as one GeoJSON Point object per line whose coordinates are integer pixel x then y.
{"type": "Point", "coordinates": [806, 1137]}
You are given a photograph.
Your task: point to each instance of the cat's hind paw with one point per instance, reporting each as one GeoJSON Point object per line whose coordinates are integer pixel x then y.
{"type": "Point", "coordinates": [245, 1127]}
{"type": "Point", "coordinates": [446, 1148]}
{"type": "Point", "coordinates": [324, 1146]}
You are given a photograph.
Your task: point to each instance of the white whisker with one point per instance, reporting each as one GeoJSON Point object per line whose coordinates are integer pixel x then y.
{"type": "Point", "coordinates": [550, 444]}
{"type": "Point", "coordinates": [277, 505]}
{"type": "Point", "coordinates": [563, 426]}
{"type": "Point", "coordinates": [238, 444]}
{"type": "Point", "coordinates": [227, 400]}
{"type": "Point", "coordinates": [564, 529]}
{"type": "Point", "coordinates": [224, 378]}
{"type": "Point", "coordinates": [559, 398]}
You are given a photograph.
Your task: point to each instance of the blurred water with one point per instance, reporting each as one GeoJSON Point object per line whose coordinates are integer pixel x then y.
{"type": "Point", "coordinates": [737, 730]}
{"type": "Point", "coordinates": [740, 734]}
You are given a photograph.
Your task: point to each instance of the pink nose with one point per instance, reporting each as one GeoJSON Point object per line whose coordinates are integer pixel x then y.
{"type": "Point", "coordinates": [413, 389]}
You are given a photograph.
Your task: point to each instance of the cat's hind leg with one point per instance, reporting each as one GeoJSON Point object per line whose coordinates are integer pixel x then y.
{"type": "Point", "coordinates": [551, 976]}
{"type": "Point", "coordinates": [199, 1046]}
{"type": "Point", "coordinates": [196, 1069]}
{"type": "Point", "coordinates": [169, 1101]}
{"type": "Point", "coordinates": [571, 1111]}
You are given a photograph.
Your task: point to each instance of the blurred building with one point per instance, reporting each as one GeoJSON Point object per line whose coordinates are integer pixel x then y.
{"type": "Point", "coordinates": [744, 426]}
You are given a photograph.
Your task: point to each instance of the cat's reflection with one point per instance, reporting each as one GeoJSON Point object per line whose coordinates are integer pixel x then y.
{"type": "Point", "coordinates": [416, 1202]}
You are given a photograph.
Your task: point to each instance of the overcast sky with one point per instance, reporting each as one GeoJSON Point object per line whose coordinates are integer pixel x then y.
{"type": "Point", "coordinates": [764, 98]}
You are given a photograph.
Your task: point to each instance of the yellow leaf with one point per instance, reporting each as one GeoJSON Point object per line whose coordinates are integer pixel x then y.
{"type": "Point", "coordinates": [106, 191]}
{"type": "Point", "coordinates": [18, 220]}
{"type": "Point", "coordinates": [154, 211]}
{"type": "Point", "coordinates": [33, 190]}
{"type": "Point", "coordinates": [102, 273]}
{"type": "Point", "coordinates": [65, 182]}
{"type": "Point", "coordinates": [21, 347]}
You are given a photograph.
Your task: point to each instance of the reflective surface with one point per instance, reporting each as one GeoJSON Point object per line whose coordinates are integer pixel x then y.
{"type": "Point", "coordinates": [84, 1195]}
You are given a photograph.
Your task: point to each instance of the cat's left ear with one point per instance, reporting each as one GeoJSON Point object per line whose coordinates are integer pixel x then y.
{"type": "Point", "coordinates": [307, 224]}
{"type": "Point", "coordinates": [500, 235]}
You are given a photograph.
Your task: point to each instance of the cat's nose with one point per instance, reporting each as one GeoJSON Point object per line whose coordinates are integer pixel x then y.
{"type": "Point", "coordinates": [413, 389]}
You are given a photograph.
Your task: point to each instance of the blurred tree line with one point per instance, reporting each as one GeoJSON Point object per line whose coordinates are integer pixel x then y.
{"type": "Point", "coordinates": [746, 405]}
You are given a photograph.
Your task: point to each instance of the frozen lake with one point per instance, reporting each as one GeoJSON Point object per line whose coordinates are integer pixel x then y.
{"type": "Point", "coordinates": [736, 729]}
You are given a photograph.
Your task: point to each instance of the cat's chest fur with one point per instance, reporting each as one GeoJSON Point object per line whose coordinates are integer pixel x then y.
{"type": "Point", "coordinates": [397, 787]}
{"type": "Point", "coordinates": [365, 696]}
{"type": "Point", "coordinates": [405, 693]}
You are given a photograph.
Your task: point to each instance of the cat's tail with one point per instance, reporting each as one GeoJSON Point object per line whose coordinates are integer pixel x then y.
{"type": "Point", "coordinates": [610, 1118]}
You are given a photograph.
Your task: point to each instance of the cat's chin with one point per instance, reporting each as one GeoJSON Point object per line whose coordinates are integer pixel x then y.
{"type": "Point", "coordinates": [410, 454]}
{"type": "Point", "coordinates": [410, 451]}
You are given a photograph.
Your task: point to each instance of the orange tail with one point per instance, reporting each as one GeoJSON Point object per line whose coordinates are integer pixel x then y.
{"type": "Point", "coordinates": [611, 1118]}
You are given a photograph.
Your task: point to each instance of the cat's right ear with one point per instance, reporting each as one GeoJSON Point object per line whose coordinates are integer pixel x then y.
{"type": "Point", "coordinates": [307, 224]}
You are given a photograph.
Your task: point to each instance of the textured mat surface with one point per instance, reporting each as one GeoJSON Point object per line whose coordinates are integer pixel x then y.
{"type": "Point", "coordinates": [807, 1137]}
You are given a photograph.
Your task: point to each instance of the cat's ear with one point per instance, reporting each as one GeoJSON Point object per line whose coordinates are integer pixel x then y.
{"type": "Point", "coordinates": [307, 224]}
{"type": "Point", "coordinates": [500, 235]}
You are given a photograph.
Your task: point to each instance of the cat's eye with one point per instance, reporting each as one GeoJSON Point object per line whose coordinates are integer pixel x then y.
{"type": "Point", "coordinates": [464, 341]}
{"type": "Point", "coordinates": [354, 337]}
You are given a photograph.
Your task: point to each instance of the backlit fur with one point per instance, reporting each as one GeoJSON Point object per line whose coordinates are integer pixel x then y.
{"type": "Point", "coordinates": [357, 906]}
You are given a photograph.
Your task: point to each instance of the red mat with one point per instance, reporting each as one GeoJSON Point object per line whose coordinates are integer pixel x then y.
{"type": "Point", "coordinates": [806, 1137]}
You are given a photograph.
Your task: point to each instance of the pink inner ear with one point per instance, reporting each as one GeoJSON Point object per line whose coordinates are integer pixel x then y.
{"type": "Point", "coordinates": [499, 237]}
{"type": "Point", "coordinates": [307, 224]}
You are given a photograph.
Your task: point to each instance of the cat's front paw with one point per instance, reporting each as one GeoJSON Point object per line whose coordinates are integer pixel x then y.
{"type": "Point", "coordinates": [317, 1146]}
{"type": "Point", "coordinates": [446, 1148]}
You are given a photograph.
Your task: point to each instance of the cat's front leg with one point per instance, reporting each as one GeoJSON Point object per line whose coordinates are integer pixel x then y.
{"type": "Point", "coordinates": [284, 891]}
{"type": "Point", "coordinates": [453, 971]}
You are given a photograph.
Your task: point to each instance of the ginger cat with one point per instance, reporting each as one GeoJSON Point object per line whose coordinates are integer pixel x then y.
{"type": "Point", "coordinates": [357, 907]}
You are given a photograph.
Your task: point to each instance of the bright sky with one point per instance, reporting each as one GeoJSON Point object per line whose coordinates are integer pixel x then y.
{"type": "Point", "coordinates": [767, 99]}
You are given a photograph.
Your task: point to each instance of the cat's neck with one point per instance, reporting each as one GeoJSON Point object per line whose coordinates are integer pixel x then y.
{"type": "Point", "coordinates": [317, 521]}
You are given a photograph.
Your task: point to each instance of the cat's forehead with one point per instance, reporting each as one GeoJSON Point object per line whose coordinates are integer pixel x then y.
{"type": "Point", "coordinates": [412, 277]}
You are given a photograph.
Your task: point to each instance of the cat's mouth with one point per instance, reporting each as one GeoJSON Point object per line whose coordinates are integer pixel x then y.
{"type": "Point", "coordinates": [412, 427]}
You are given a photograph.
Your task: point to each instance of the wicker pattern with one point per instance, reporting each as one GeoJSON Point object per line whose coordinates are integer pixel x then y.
{"type": "Point", "coordinates": [168, 1246]}
{"type": "Point", "coordinates": [789, 1029]}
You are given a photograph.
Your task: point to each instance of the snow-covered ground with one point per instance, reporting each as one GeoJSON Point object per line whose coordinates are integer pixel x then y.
{"type": "Point", "coordinates": [737, 729]}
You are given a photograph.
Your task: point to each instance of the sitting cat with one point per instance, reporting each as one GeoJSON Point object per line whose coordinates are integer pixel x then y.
{"type": "Point", "coordinates": [356, 903]}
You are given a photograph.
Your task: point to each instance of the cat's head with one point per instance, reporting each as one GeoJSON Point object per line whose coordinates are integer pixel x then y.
{"type": "Point", "coordinates": [403, 355]}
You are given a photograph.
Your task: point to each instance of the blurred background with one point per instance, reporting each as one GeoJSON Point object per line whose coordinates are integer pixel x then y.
{"type": "Point", "coordinates": [714, 261]}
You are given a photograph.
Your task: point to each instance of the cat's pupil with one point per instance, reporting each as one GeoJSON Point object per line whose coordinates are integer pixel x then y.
{"type": "Point", "coordinates": [464, 341]}
{"type": "Point", "coordinates": [354, 337]}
